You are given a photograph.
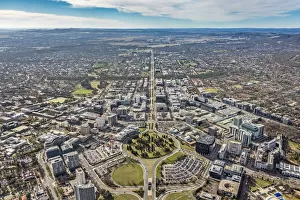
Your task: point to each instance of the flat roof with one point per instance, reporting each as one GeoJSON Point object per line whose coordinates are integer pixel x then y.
{"type": "Point", "coordinates": [206, 139]}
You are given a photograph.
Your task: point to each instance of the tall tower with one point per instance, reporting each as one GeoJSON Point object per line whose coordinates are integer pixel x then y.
{"type": "Point", "coordinates": [80, 176]}
{"type": "Point", "coordinates": [83, 190]}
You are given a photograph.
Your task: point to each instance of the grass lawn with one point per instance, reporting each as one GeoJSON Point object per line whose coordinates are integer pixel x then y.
{"type": "Point", "coordinates": [100, 65]}
{"type": "Point", "coordinates": [294, 146]}
{"type": "Point", "coordinates": [128, 175]}
{"type": "Point", "coordinates": [79, 90]}
{"type": "Point", "coordinates": [262, 183]}
{"type": "Point", "coordinates": [174, 158]}
{"type": "Point", "coordinates": [211, 90]}
{"type": "Point", "coordinates": [148, 162]}
{"type": "Point", "coordinates": [290, 197]}
{"type": "Point", "coordinates": [142, 129]}
{"type": "Point", "coordinates": [125, 197]}
{"type": "Point", "coordinates": [238, 86]}
{"type": "Point", "coordinates": [58, 100]}
{"type": "Point", "coordinates": [253, 188]}
{"type": "Point", "coordinates": [187, 147]}
{"type": "Point", "coordinates": [169, 160]}
{"type": "Point", "coordinates": [95, 84]}
{"type": "Point", "coordinates": [179, 196]}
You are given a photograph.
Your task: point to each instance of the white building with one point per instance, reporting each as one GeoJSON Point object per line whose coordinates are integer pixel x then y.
{"type": "Point", "coordinates": [85, 129]}
{"type": "Point", "coordinates": [128, 132]}
{"type": "Point", "coordinates": [222, 152]}
{"type": "Point", "coordinates": [244, 158]}
{"type": "Point", "coordinates": [80, 176]}
{"type": "Point", "coordinates": [100, 122]}
{"type": "Point", "coordinates": [83, 190]}
{"type": "Point", "coordinates": [234, 147]}
{"type": "Point", "coordinates": [268, 154]}
{"type": "Point", "coordinates": [246, 131]}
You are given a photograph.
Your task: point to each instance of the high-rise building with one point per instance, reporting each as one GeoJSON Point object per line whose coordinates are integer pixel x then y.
{"type": "Point", "coordinates": [57, 166]}
{"type": "Point", "coordinates": [112, 119]}
{"type": "Point", "coordinates": [52, 152]}
{"type": "Point", "coordinates": [234, 147]}
{"type": "Point", "coordinates": [80, 176]}
{"type": "Point", "coordinates": [83, 190]}
{"type": "Point", "coordinates": [72, 160]}
{"type": "Point", "coordinates": [246, 131]}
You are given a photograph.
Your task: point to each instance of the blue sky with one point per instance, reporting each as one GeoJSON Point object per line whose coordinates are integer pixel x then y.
{"type": "Point", "coordinates": [149, 13]}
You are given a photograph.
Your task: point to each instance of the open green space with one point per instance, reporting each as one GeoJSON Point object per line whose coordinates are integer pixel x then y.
{"type": "Point", "coordinates": [150, 145]}
{"type": "Point", "coordinates": [95, 84]}
{"type": "Point", "coordinates": [125, 197]}
{"type": "Point", "coordinates": [179, 196]}
{"type": "Point", "coordinates": [128, 175]}
{"type": "Point", "coordinates": [238, 86]}
{"type": "Point", "coordinates": [211, 90]}
{"type": "Point", "coordinates": [101, 64]}
{"type": "Point", "coordinates": [294, 146]}
{"type": "Point", "coordinates": [142, 129]}
{"type": "Point", "coordinates": [262, 183]}
{"type": "Point", "coordinates": [170, 160]}
{"type": "Point", "coordinates": [79, 90]}
{"type": "Point", "coordinates": [293, 152]}
{"type": "Point", "coordinates": [290, 197]}
{"type": "Point", "coordinates": [20, 129]}
{"type": "Point", "coordinates": [187, 147]}
{"type": "Point", "coordinates": [58, 100]}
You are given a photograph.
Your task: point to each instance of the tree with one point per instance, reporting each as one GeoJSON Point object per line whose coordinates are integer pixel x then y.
{"type": "Point", "coordinates": [107, 195]}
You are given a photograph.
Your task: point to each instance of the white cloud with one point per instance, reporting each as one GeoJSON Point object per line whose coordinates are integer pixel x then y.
{"type": "Point", "coordinates": [199, 10]}
{"type": "Point", "coordinates": [21, 19]}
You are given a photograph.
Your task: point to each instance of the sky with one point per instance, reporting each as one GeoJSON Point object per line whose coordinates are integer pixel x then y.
{"type": "Point", "coordinates": [149, 13]}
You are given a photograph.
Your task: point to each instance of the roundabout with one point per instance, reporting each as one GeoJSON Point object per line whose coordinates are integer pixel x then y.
{"type": "Point", "coordinates": [150, 146]}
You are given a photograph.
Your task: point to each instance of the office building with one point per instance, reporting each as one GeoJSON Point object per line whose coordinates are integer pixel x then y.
{"type": "Point", "coordinates": [246, 131]}
{"type": "Point", "coordinates": [269, 153]}
{"type": "Point", "coordinates": [85, 129]}
{"type": "Point", "coordinates": [83, 190]}
{"type": "Point", "coordinates": [244, 158]}
{"type": "Point", "coordinates": [80, 176]}
{"type": "Point", "coordinates": [72, 160]}
{"type": "Point", "coordinates": [234, 147]}
{"type": "Point", "coordinates": [222, 152]}
{"type": "Point", "coordinates": [216, 171]}
{"type": "Point", "coordinates": [57, 166]}
{"type": "Point", "coordinates": [112, 119]}
{"type": "Point", "coordinates": [52, 152]}
{"type": "Point", "coordinates": [205, 144]}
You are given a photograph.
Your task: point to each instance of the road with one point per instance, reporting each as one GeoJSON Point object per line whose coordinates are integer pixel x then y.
{"type": "Point", "coordinates": [90, 170]}
{"type": "Point", "coordinates": [145, 169]}
{"type": "Point", "coordinates": [47, 182]}
{"type": "Point", "coordinates": [177, 144]}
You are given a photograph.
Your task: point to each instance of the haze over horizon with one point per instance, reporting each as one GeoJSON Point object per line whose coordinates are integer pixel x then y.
{"type": "Point", "coordinates": [149, 14]}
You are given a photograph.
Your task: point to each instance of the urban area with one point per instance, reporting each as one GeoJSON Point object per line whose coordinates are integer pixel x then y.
{"type": "Point", "coordinates": [154, 114]}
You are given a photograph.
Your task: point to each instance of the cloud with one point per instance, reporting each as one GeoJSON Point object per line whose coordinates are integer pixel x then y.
{"type": "Point", "coordinates": [198, 10]}
{"type": "Point", "coordinates": [21, 19]}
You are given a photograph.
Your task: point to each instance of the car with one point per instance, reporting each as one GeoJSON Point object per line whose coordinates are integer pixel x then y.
{"type": "Point", "coordinates": [149, 186]}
